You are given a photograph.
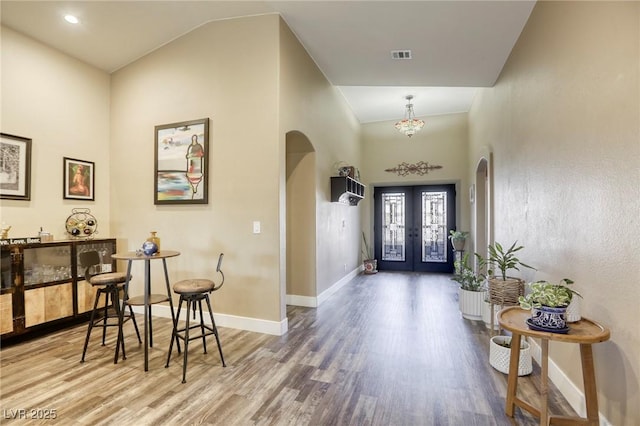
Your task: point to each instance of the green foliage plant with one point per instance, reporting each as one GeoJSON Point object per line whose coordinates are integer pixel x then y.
{"type": "Point", "coordinates": [544, 293]}
{"type": "Point", "coordinates": [502, 260]}
{"type": "Point", "coordinates": [458, 235]}
{"type": "Point", "coordinates": [466, 277]}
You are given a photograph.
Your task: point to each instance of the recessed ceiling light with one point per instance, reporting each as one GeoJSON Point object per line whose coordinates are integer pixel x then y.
{"type": "Point", "coordinates": [71, 19]}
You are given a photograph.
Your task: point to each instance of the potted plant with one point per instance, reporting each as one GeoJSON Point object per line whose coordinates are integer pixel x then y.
{"type": "Point", "coordinates": [500, 355]}
{"type": "Point", "coordinates": [368, 259]}
{"type": "Point", "coordinates": [503, 290]}
{"type": "Point", "coordinates": [471, 290]}
{"type": "Point", "coordinates": [573, 310]}
{"type": "Point", "coordinates": [503, 260]}
{"type": "Point", "coordinates": [549, 304]}
{"type": "Point", "coordinates": [458, 239]}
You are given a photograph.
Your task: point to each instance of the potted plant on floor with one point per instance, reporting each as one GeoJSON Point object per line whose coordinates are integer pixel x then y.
{"type": "Point", "coordinates": [369, 261]}
{"type": "Point", "coordinates": [500, 355]}
{"type": "Point", "coordinates": [471, 290]}
{"type": "Point", "coordinates": [548, 303]}
{"type": "Point", "coordinates": [503, 291]}
{"type": "Point", "coordinates": [458, 239]}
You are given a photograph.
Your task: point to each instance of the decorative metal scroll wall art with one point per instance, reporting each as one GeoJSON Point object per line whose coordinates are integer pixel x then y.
{"type": "Point", "coordinates": [419, 168]}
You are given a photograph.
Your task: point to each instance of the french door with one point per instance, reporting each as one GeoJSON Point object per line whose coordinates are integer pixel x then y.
{"type": "Point", "coordinates": [411, 227]}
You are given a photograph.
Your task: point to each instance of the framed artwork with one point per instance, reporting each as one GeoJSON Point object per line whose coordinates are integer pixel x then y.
{"type": "Point", "coordinates": [78, 179]}
{"type": "Point", "coordinates": [181, 163]}
{"type": "Point", "coordinates": [15, 167]}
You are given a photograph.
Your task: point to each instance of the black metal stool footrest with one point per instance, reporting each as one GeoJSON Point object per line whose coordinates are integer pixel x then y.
{"type": "Point", "coordinates": [183, 333]}
{"type": "Point", "coordinates": [210, 332]}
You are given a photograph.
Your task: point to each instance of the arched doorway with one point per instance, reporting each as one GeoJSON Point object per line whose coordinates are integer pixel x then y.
{"type": "Point", "coordinates": [300, 220]}
{"type": "Point", "coordinates": [482, 210]}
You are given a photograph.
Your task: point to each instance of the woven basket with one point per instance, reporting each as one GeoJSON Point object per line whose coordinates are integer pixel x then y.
{"type": "Point", "coordinates": [499, 356]}
{"type": "Point", "coordinates": [505, 293]}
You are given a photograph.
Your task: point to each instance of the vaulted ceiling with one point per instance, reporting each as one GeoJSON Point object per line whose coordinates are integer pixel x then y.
{"type": "Point", "coordinates": [455, 46]}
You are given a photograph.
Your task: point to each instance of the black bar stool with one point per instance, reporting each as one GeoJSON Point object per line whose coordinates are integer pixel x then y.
{"type": "Point", "coordinates": [110, 284]}
{"type": "Point", "coordinates": [192, 291]}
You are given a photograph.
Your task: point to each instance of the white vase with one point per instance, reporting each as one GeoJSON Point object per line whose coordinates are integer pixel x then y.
{"type": "Point", "coordinates": [458, 245]}
{"type": "Point", "coordinates": [500, 357]}
{"type": "Point", "coordinates": [573, 310]}
{"type": "Point", "coordinates": [471, 304]}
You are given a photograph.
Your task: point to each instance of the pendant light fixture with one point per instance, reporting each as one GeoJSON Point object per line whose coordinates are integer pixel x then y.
{"type": "Point", "coordinates": [409, 125]}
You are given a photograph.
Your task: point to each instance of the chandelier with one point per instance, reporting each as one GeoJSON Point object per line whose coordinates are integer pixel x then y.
{"type": "Point", "coordinates": [409, 125]}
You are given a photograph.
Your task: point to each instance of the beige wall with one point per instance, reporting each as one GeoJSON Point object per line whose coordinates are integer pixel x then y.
{"type": "Point", "coordinates": [226, 71]}
{"type": "Point", "coordinates": [310, 105]}
{"type": "Point", "coordinates": [563, 123]}
{"type": "Point", "coordinates": [61, 104]}
{"type": "Point", "coordinates": [442, 141]}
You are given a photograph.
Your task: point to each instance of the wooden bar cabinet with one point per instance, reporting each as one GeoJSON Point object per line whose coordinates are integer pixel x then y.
{"type": "Point", "coordinates": [43, 287]}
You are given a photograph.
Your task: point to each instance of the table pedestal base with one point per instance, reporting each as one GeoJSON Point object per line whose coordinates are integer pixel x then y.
{"type": "Point", "coordinates": [148, 299]}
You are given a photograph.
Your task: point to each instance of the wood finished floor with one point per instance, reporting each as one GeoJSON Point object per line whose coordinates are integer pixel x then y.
{"type": "Point", "coordinates": [387, 349]}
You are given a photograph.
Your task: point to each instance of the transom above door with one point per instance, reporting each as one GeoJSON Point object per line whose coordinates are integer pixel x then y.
{"type": "Point", "coordinates": [412, 225]}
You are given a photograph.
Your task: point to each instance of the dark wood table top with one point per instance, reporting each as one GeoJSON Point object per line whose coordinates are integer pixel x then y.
{"type": "Point", "coordinates": [132, 255]}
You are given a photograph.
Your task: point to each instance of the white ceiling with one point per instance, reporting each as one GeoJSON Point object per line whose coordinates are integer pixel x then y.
{"type": "Point", "coordinates": [456, 45]}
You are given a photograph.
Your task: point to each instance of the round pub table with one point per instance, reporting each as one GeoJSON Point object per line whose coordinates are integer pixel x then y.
{"type": "Point", "coordinates": [584, 332]}
{"type": "Point", "coordinates": [148, 299]}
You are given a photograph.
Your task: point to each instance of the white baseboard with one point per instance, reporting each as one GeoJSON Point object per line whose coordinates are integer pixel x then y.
{"type": "Point", "coordinates": [314, 302]}
{"type": "Point", "coordinates": [322, 297]}
{"type": "Point", "coordinates": [224, 320]}
{"type": "Point", "coordinates": [306, 301]}
{"type": "Point", "coordinates": [260, 325]}
{"type": "Point", "coordinates": [573, 394]}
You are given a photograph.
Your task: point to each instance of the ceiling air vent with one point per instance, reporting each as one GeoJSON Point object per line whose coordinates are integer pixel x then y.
{"type": "Point", "coordinates": [401, 54]}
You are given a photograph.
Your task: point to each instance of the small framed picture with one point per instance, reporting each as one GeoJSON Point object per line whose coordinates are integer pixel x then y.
{"type": "Point", "coordinates": [15, 167]}
{"type": "Point", "coordinates": [182, 163]}
{"type": "Point", "coordinates": [78, 179]}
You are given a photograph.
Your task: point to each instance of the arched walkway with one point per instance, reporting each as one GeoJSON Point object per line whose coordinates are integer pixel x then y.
{"type": "Point", "coordinates": [300, 220]}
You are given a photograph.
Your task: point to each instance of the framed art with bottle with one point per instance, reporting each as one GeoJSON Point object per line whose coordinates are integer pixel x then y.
{"type": "Point", "coordinates": [181, 163]}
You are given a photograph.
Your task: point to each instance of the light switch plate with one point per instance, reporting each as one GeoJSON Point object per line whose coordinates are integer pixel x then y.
{"type": "Point", "coordinates": [256, 226]}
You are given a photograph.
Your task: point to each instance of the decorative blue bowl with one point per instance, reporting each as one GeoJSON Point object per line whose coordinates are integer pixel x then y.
{"type": "Point", "coordinates": [149, 248]}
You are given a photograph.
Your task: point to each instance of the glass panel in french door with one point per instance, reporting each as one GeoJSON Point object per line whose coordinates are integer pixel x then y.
{"type": "Point", "coordinates": [411, 226]}
{"type": "Point", "coordinates": [393, 226]}
{"type": "Point", "coordinates": [434, 226]}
